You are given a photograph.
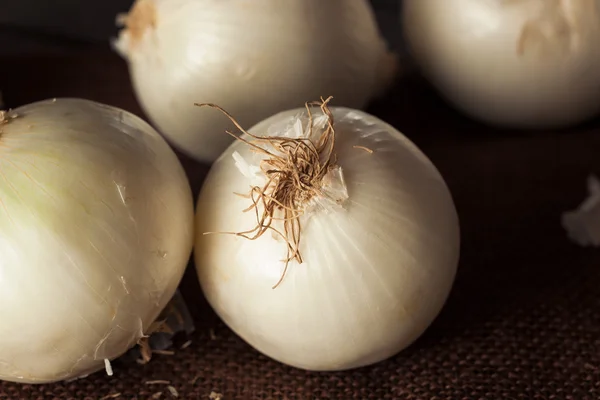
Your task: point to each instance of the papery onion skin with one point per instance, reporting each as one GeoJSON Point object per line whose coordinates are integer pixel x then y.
{"type": "Point", "coordinates": [96, 229]}
{"type": "Point", "coordinates": [374, 275]}
{"type": "Point", "coordinates": [254, 58]}
{"type": "Point", "coordinates": [512, 63]}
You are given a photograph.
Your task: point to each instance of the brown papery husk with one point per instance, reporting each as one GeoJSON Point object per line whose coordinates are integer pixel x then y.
{"type": "Point", "coordinates": [144, 344]}
{"type": "Point", "coordinates": [141, 17]}
{"type": "Point", "coordinates": [294, 168]}
{"type": "Point", "coordinates": [6, 116]}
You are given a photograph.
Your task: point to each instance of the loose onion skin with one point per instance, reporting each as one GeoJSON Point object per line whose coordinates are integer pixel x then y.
{"type": "Point", "coordinates": [96, 229]}
{"type": "Point", "coordinates": [252, 57]}
{"type": "Point", "coordinates": [375, 272]}
{"type": "Point", "coordinates": [511, 63]}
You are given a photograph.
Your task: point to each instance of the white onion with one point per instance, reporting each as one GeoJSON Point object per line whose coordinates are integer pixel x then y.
{"type": "Point", "coordinates": [253, 57]}
{"type": "Point", "coordinates": [513, 63]}
{"type": "Point", "coordinates": [379, 246]}
{"type": "Point", "coordinates": [96, 228]}
{"type": "Point", "coordinates": [583, 223]}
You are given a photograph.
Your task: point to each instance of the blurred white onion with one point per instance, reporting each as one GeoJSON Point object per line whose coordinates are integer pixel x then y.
{"type": "Point", "coordinates": [252, 57]}
{"type": "Point", "coordinates": [514, 63]}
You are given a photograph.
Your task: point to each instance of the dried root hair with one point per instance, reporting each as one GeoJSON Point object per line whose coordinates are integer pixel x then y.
{"type": "Point", "coordinates": [294, 168]}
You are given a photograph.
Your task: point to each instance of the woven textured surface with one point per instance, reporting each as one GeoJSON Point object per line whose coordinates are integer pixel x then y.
{"type": "Point", "coordinates": [523, 320]}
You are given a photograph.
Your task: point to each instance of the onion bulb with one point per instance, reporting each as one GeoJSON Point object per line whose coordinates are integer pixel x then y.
{"type": "Point", "coordinates": [511, 63]}
{"type": "Point", "coordinates": [348, 247]}
{"type": "Point", "coordinates": [96, 229]}
{"type": "Point", "coordinates": [253, 57]}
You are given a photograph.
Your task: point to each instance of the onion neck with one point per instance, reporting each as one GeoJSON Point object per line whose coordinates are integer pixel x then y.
{"type": "Point", "coordinates": [141, 18]}
{"type": "Point", "coordinates": [562, 26]}
{"type": "Point", "coordinates": [6, 117]}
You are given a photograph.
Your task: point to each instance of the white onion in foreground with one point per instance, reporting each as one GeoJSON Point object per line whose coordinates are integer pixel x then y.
{"type": "Point", "coordinates": [252, 57]}
{"type": "Point", "coordinates": [96, 228]}
{"type": "Point", "coordinates": [379, 253]}
{"type": "Point", "coordinates": [515, 63]}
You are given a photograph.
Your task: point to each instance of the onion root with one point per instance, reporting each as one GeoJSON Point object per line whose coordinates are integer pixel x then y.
{"type": "Point", "coordinates": [295, 169]}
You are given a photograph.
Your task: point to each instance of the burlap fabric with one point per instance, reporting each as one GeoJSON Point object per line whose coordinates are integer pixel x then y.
{"type": "Point", "coordinates": [523, 320]}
